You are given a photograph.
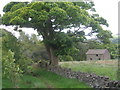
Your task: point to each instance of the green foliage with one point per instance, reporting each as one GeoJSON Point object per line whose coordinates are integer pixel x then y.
{"type": "Point", "coordinates": [65, 58]}
{"type": "Point", "coordinates": [82, 49]}
{"type": "Point", "coordinates": [61, 43]}
{"type": "Point", "coordinates": [113, 49]}
{"type": "Point", "coordinates": [6, 18]}
{"type": "Point", "coordinates": [45, 79]}
{"type": "Point", "coordinates": [9, 6]}
{"type": "Point", "coordinates": [10, 57]}
{"type": "Point", "coordinates": [95, 26]}
{"type": "Point", "coordinates": [39, 54]}
{"type": "Point", "coordinates": [12, 6]}
{"type": "Point", "coordinates": [10, 43]}
{"type": "Point", "coordinates": [37, 6]}
{"type": "Point", "coordinates": [101, 20]}
{"type": "Point", "coordinates": [50, 18]}
{"type": "Point", "coordinates": [33, 69]}
{"type": "Point", "coordinates": [63, 14]}
{"type": "Point", "coordinates": [85, 5]}
{"type": "Point", "coordinates": [17, 20]}
{"type": "Point", "coordinates": [32, 48]}
{"type": "Point", "coordinates": [104, 36]}
{"type": "Point", "coordinates": [57, 81]}
{"type": "Point", "coordinates": [9, 68]}
{"type": "Point", "coordinates": [26, 81]}
{"type": "Point", "coordinates": [105, 68]}
{"type": "Point", "coordinates": [0, 19]}
{"type": "Point", "coordinates": [94, 44]}
{"type": "Point", "coordinates": [58, 12]}
{"type": "Point", "coordinates": [24, 64]}
{"type": "Point", "coordinates": [17, 6]}
{"type": "Point", "coordinates": [77, 36]}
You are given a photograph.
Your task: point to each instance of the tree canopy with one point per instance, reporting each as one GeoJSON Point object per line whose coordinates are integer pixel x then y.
{"type": "Point", "coordinates": [51, 18]}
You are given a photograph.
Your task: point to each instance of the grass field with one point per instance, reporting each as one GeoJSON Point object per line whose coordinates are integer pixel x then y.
{"type": "Point", "coordinates": [45, 79]}
{"type": "Point", "coordinates": [102, 67]}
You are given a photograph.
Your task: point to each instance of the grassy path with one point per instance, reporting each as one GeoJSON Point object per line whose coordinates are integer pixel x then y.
{"type": "Point", "coordinates": [45, 79]}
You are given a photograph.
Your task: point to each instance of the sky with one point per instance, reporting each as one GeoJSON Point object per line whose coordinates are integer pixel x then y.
{"type": "Point", "coordinates": [108, 9]}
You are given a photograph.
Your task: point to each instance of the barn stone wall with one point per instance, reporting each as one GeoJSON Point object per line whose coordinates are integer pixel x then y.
{"type": "Point", "coordinates": [94, 57]}
{"type": "Point", "coordinates": [93, 80]}
{"type": "Point", "coordinates": [102, 56]}
{"type": "Point", "coordinates": [107, 55]}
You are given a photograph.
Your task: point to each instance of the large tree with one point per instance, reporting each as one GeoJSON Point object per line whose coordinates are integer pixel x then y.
{"type": "Point", "coordinates": [50, 18]}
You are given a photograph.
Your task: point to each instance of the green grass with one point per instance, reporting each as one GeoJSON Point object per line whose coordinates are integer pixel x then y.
{"type": "Point", "coordinates": [29, 81]}
{"type": "Point", "coordinates": [103, 68]}
{"type": "Point", "coordinates": [45, 79]}
{"type": "Point", "coordinates": [61, 82]}
{"type": "Point", "coordinates": [6, 83]}
{"type": "Point", "coordinates": [26, 81]}
{"type": "Point", "coordinates": [0, 78]}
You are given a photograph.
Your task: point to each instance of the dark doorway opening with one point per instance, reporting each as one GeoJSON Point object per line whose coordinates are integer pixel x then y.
{"type": "Point", "coordinates": [96, 54]}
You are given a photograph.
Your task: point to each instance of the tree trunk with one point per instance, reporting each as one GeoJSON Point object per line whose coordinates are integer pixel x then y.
{"type": "Point", "coordinates": [52, 57]}
{"type": "Point", "coordinates": [48, 34]}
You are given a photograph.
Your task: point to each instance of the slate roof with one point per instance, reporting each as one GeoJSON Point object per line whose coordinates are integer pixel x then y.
{"type": "Point", "coordinates": [96, 51]}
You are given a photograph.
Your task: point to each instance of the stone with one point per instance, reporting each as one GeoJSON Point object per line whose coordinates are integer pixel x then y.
{"type": "Point", "coordinates": [98, 82]}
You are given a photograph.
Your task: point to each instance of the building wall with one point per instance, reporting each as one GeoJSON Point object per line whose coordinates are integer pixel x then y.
{"type": "Point", "coordinates": [107, 55]}
{"type": "Point", "coordinates": [94, 57]}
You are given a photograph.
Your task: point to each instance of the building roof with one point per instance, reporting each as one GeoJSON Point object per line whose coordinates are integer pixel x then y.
{"type": "Point", "coordinates": [96, 51]}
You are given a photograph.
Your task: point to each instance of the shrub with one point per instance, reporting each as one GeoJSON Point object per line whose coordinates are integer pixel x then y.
{"type": "Point", "coordinates": [10, 69]}
{"type": "Point", "coordinates": [65, 58]}
{"type": "Point", "coordinates": [33, 69]}
{"type": "Point", "coordinates": [25, 63]}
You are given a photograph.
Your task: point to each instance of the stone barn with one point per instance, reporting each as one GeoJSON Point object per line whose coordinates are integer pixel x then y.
{"type": "Point", "coordinates": [98, 54]}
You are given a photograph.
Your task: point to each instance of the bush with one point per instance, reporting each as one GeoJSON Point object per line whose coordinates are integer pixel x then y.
{"type": "Point", "coordinates": [24, 63]}
{"type": "Point", "coordinates": [33, 69]}
{"type": "Point", "coordinates": [65, 58]}
{"type": "Point", "coordinates": [10, 69]}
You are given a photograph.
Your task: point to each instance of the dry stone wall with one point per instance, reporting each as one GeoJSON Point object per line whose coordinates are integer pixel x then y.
{"type": "Point", "coordinates": [93, 80]}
